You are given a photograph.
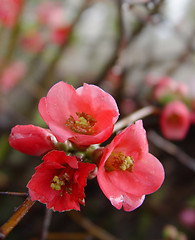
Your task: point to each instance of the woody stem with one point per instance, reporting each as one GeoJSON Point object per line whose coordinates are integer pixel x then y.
{"type": "Point", "coordinates": [7, 227]}
{"type": "Point", "coordinates": [139, 114]}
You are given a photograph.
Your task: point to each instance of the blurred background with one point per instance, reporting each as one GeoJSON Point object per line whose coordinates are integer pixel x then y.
{"type": "Point", "coordinates": [125, 47]}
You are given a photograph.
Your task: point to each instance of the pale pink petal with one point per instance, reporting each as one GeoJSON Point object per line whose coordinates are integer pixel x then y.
{"type": "Point", "coordinates": [147, 177]}
{"type": "Point", "coordinates": [175, 120]}
{"type": "Point", "coordinates": [132, 202]}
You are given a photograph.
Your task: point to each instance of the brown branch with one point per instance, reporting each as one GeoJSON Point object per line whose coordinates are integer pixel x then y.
{"type": "Point", "coordinates": [14, 194]}
{"type": "Point", "coordinates": [172, 149]}
{"type": "Point", "coordinates": [93, 229]}
{"type": "Point", "coordinates": [7, 227]}
{"type": "Point", "coordinates": [139, 114]}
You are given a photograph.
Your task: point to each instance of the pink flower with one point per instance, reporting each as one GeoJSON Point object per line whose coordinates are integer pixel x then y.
{"type": "Point", "coordinates": [165, 87]}
{"type": "Point", "coordinates": [175, 120]}
{"type": "Point", "coordinates": [127, 171]}
{"type": "Point", "coordinates": [85, 116]}
{"type": "Point", "coordinates": [32, 140]}
{"type": "Point", "coordinates": [59, 181]}
{"type": "Point", "coordinates": [166, 90]}
{"type": "Point", "coordinates": [9, 10]}
{"type": "Point", "coordinates": [11, 75]}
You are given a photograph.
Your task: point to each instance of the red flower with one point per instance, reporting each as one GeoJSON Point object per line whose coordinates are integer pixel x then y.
{"type": "Point", "coordinates": [175, 120]}
{"type": "Point", "coordinates": [59, 181]}
{"type": "Point", "coordinates": [32, 140]}
{"type": "Point", "coordinates": [84, 116]}
{"type": "Point", "coordinates": [127, 171]}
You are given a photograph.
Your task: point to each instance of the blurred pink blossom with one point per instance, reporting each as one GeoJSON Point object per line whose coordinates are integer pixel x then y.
{"type": "Point", "coordinates": [53, 15]}
{"type": "Point", "coordinates": [165, 89]}
{"type": "Point", "coordinates": [11, 75]}
{"type": "Point", "coordinates": [187, 217]}
{"type": "Point", "coordinates": [175, 120]}
{"type": "Point", "coordinates": [9, 10]}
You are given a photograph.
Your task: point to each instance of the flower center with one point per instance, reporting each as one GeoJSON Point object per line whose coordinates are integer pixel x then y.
{"type": "Point", "coordinates": [64, 181]}
{"type": "Point", "coordinates": [57, 183]}
{"type": "Point", "coordinates": [119, 162]}
{"type": "Point", "coordinates": [84, 125]}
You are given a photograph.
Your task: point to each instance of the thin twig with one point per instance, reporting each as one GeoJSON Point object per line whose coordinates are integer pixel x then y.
{"type": "Point", "coordinates": [139, 114]}
{"type": "Point", "coordinates": [7, 227]}
{"type": "Point", "coordinates": [19, 194]}
{"type": "Point", "coordinates": [93, 229]}
{"type": "Point", "coordinates": [171, 149]}
{"type": "Point", "coordinates": [47, 221]}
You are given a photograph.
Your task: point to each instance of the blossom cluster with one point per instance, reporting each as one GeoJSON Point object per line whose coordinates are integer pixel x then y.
{"type": "Point", "coordinates": [178, 108]}
{"type": "Point", "coordinates": [79, 120]}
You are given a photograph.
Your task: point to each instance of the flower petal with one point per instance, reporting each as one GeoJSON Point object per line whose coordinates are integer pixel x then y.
{"type": "Point", "coordinates": [147, 177]}
{"type": "Point", "coordinates": [32, 140]}
{"type": "Point", "coordinates": [63, 101]}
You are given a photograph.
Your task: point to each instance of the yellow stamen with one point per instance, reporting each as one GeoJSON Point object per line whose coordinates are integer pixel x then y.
{"type": "Point", "coordinates": [57, 183]}
{"type": "Point", "coordinates": [118, 162]}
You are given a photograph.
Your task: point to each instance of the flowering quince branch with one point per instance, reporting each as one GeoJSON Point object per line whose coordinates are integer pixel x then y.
{"type": "Point", "coordinates": [79, 120]}
{"type": "Point", "coordinates": [139, 114]}
{"type": "Point", "coordinates": [14, 194]}
{"type": "Point", "coordinates": [7, 227]}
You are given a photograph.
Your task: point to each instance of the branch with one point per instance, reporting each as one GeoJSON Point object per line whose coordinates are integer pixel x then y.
{"type": "Point", "coordinates": [172, 149]}
{"type": "Point", "coordinates": [93, 229]}
{"type": "Point", "coordinates": [139, 114]}
{"type": "Point", "coordinates": [14, 194]}
{"type": "Point", "coordinates": [7, 227]}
